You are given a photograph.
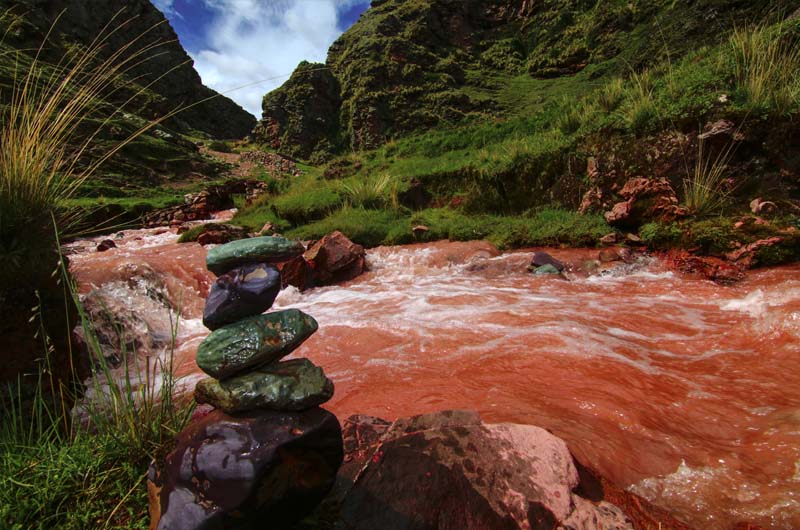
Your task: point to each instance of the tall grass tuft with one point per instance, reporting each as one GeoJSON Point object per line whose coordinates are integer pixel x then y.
{"type": "Point", "coordinates": [374, 192]}
{"type": "Point", "coordinates": [705, 188]}
{"type": "Point", "coordinates": [766, 68]}
{"type": "Point", "coordinates": [611, 95]}
{"type": "Point", "coordinates": [44, 139]}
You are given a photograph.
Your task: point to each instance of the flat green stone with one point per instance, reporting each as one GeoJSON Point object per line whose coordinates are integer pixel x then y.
{"type": "Point", "coordinates": [223, 258]}
{"type": "Point", "coordinates": [289, 386]}
{"type": "Point", "coordinates": [254, 341]}
{"type": "Point", "coordinates": [546, 269]}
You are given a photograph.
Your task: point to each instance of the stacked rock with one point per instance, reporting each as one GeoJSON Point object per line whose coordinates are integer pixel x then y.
{"type": "Point", "coordinates": [267, 453]}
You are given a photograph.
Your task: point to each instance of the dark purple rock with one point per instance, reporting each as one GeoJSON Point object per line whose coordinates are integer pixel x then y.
{"type": "Point", "coordinates": [106, 244]}
{"type": "Point", "coordinates": [543, 258]}
{"type": "Point", "coordinates": [243, 292]}
{"type": "Point", "coordinates": [263, 469]}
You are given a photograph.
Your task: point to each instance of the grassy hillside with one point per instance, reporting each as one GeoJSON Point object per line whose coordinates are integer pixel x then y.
{"type": "Point", "coordinates": [159, 166]}
{"type": "Point", "coordinates": [586, 96]}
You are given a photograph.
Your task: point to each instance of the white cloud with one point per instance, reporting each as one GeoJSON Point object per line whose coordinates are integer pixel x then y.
{"type": "Point", "coordinates": [259, 43]}
{"type": "Point", "coordinates": [165, 6]}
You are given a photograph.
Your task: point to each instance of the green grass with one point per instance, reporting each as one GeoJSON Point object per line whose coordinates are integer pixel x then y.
{"type": "Point", "coordinates": [549, 227]}
{"type": "Point", "coordinates": [57, 471]}
{"type": "Point", "coordinates": [71, 484]}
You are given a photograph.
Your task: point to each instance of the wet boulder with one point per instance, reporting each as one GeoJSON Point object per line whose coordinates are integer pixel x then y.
{"type": "Point", "coordinates": [291, 386]}
{"type": "Point", "coordinates": [241, 292]}
{"type": "Point", "coordinates": [106, 244]}
{"type": "Point", "coordinates": [254, 341]}
{"type": "Point", "coordinates": [450, 470]}
{"type": "Point", "coordinates": [335, 258]}
{"type": "Point", "coordinates": [546, 270]}
{"type": "Point", "coordinates": [220, 260]}
{"type": "Point", "coordinates": [257, 470]}
{"type": "Point", "coordinates": [542, 259]}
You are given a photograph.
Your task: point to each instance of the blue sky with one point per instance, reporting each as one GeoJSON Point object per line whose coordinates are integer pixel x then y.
{"type": "Point", "coordinates": [258, 43]}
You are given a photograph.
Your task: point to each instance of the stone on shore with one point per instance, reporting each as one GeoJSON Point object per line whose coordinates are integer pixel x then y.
{"type": "Point", "coordinates": [253, 342]}
{"type": "Point", "coordinates": [264, 469]}
{"type": "Point", "coordinates": [240, 293]}
{"type": "Point", "coordinates": [291, 386]}
{"type": "Point", "coordinates": [265, 249]}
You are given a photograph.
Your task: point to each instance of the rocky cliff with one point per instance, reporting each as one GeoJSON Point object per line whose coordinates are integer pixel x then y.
{"type": "Point", "coordinates": [167, 72]}
{"type": "Point", "coordinates": [411, 65]}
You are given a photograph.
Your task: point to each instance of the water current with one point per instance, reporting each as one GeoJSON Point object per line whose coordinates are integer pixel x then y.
{"type": "Point", "coordinates": [682, 390]}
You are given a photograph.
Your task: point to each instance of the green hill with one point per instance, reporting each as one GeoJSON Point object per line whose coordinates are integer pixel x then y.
{"type": "Point", "coordinates": [428, 110]}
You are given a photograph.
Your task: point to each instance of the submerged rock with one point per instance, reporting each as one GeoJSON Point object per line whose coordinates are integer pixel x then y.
{"type": "Point", "coordinates": [540, 259]}
{"type": "Point", "coordinates": [254, 341]}
{"type": "Point", "coordinates": [546, 269]}
{"type": "Point", "coordinates": [253, 250]}
{"type": "Point", "coordinates": [292, 385]}
{"type": "Point", "coordinates": [106, 244]}
{"type": "Point", "coordinates": [263, 469]}
{"type": "Point", "coordinates": [242, 292]}
{"type": "Point", "coordinates": [449, 466]}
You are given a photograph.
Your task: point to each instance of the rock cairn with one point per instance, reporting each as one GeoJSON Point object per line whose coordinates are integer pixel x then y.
{"type": "Point", "coordinates": [267, 452]}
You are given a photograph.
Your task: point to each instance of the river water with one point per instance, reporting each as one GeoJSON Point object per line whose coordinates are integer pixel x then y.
{"type": "Point", "coordinates": [684, 391]}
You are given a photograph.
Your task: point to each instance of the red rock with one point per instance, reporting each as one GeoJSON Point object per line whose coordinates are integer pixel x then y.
{"type": "Point", "coordinates": [608, 255]}
{"type": "Point", "coordinates": [296, 272]}
{"type": "Point", "coordinates": [450, 467]}
{"type": "Point", "coordinates": [335, 258]}
{"type": "Point", "coordinates": [746, 254]}
{"type": "Point", "coordinates": [645, 200]}
{"type": "Point", "coordinates": [711, 268]}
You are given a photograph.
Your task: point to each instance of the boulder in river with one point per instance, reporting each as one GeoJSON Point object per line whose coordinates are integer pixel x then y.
{"type": "Point", "coordinates": [335, 258]}
{"type": "Point", "coordinates": [291, 385]}
{"type": "Point", "coordinates": [451, 467]}
{"type": "Point", "coordinates": [540, 259]}
{"type": "Point", "coordinates": [241, 292]}
{"type": "Point", "coordinates": [267, 249]}
{"type": "Point", "coordinates": [257, 470]}
{"type": "Point", "coordinates": [253, 342]}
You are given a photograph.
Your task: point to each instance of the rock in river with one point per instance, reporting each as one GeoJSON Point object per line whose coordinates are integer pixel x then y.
{"type": "Point", "coordinates": [292, 385]}
{"type": "Point", "coordinates": [540, 259]}
{"type": "Point", "coordinates": [264, 469]}
{"type": "Point", "coordinates": [241, 292]}
{"type": "Point", "coordinates": [253, 250]}
{"type": "Point", "coordinates": [254, 341]}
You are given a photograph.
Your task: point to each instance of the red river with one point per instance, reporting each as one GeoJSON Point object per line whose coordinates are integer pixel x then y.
{"type": "Point", "coordinates": [686, 392]}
